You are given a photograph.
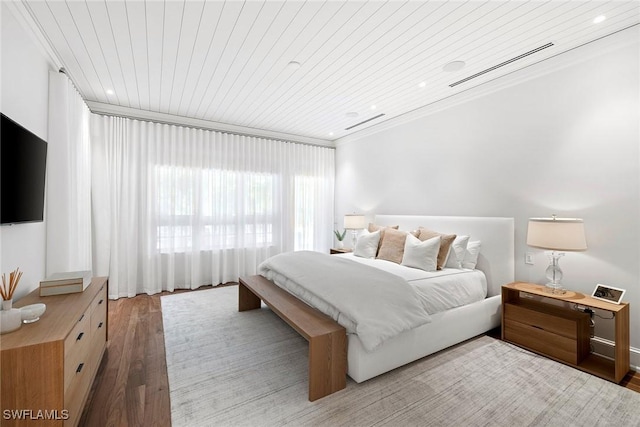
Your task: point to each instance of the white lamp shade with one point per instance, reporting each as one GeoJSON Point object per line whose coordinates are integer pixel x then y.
{"type": "Point", "coordinates": [354, 222]}
{"type": "Point", "coordinates": [559, 234]}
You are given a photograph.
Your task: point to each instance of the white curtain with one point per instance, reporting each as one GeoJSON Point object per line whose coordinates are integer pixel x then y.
{"type": "Point", "coordinates": [68, 211]}
{"type": "Point", "coordinates": [177, 207]}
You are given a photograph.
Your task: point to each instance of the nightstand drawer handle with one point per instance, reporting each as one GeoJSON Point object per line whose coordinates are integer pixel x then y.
{"type": "Point", "coordinates": [80, 336]}
{"type": "Point", "coordinates": [100, 302]}
{"type": "Point", "coordinates": [100, 325]}
{"type": "Point", "coordinates": [538, 327]}
{"type": "Point", "coordinates": [81, 317]}
{"type": "Point", "coordinates": [80, 366]}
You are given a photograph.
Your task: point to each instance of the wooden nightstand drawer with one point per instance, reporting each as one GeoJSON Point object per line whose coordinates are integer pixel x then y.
{"type": "Point", "coordinates": [560, 333]}
{"type": "Point", "coordinates": [551, 344]}
{"type": "Point", "coordinates": [564, 323]}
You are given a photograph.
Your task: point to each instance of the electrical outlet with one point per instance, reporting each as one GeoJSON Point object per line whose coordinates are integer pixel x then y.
{"type": "Point", "coordinates": [528, 258]}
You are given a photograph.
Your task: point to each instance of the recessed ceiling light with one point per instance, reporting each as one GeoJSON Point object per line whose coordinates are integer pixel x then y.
{"type": "Point", "coordinates": [423, 84]}
{"type": "Point", "coordinates": [454, 66]}
{"type": "Point", "coordinates": [109, 92]}
{"type": "Point", "coordinates": [352, 114]}
{"type": "Point", "coordinates": [373, 107]}
{"type": "Point", "coordinates": [293, 65]}
{"type": "Point", "coordinates": [599, 19]}
{"type": "Point", "coordinates": [330, 133]}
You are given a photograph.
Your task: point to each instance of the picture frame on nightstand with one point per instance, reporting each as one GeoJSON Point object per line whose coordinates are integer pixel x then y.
{"type": "Point", "coordinates": [608, 293]}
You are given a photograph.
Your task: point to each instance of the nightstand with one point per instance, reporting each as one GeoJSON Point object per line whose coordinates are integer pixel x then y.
{"type": "Point", "coordinates": [562, 333]}
{"type": "Point", "coordinates": [340, 251]}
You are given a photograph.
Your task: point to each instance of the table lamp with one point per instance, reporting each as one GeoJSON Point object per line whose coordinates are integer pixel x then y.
{"type": "Point", "coordinates": [556, 234]}
{"type": "Point", "coordinates": [354, 222]}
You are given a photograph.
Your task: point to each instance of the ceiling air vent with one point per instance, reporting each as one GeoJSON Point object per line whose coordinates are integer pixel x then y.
{"type": "Point", "coordinates": [365, 121]}
{"type": "Point", "coordinates": [524, 55]}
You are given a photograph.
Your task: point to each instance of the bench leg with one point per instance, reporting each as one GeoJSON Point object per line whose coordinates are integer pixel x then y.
{"type": "Point", "coordinates": [327, 364]}
{"type": "Point", "coordinates": [247, 300]}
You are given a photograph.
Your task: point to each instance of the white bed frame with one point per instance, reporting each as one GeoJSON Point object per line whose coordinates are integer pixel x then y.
{"type": "Point", "coordinates": [452, 326]}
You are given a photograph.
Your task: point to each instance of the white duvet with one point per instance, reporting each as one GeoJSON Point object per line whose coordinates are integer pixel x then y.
{"type": "Point", "coordinates": [374, 304]}
{"type": "Point", "coordinates": [438, 290]}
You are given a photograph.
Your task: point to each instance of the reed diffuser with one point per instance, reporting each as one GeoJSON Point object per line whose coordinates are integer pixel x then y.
{"type": "Point", "coordinates": [10, 318]}
{"type": "Point", "coordinates": [7, 289]}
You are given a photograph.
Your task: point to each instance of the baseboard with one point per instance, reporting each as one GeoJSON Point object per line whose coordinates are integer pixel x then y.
{"type": "Point", "coordinates": [605, 347]}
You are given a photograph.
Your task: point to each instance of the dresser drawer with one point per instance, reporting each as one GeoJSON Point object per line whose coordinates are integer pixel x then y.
{"type": "Point", "coordinates": [76, 350]}
{"type": "Point", "coordinates": [82, 326]}
{"type": "Point", "coordinates": [98, 336]}
{"type": "Point", "coordinates": [99, 313]}
{"type": "Point", "coordinates": [74, 396]}
{"type": "Point", "coordinates": [100, 301]}
{"type": "Point", "coordinates": [98, 327]}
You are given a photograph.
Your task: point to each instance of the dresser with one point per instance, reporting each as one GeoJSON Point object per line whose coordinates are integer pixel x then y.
{"type": "Point", "coordinates": [48, 366]}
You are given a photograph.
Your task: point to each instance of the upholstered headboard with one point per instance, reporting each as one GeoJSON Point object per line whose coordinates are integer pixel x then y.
{"type": "Point", "coordinates": [496, 258]}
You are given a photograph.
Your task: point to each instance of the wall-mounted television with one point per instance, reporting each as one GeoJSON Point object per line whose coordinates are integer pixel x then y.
{"type": "Point", "coordinates": [23, 159]}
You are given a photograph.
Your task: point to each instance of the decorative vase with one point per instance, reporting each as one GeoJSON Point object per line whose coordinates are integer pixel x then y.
{"type": "Point", "coordinates": [340, 244]}
{"type": "Point", "coordinates": [10, 318]}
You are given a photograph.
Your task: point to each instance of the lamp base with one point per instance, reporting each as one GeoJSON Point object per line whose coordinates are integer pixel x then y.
{"type": "Point", "coordinates": [555, 288]}
{"type": "Point", "coordinates": [554, 274]}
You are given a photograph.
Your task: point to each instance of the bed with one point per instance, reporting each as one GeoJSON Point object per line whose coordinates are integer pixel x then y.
{"type": "Point", "coordinates": [448, 327]}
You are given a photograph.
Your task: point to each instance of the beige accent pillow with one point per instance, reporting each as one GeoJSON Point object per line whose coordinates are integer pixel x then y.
{"type": "Point", "coordinates": [374, 227]}
{"type": "Point", "coordinates": [392, 246]}
{"type": "Point", "coordinates": [445, 244]}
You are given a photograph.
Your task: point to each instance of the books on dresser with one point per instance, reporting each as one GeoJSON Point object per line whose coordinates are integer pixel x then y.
{"type": "Point", "coordinates": [65, 283]}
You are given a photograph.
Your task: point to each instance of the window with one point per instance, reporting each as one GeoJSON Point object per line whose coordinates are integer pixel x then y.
{"type": "Point", "coordinates": [206, 209]}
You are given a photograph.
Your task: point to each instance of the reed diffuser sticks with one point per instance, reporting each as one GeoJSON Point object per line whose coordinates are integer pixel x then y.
{"type": "Point", "coordinates": [7, 289]}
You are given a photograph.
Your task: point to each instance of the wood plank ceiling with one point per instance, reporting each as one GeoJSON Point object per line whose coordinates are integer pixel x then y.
{"type": "Point", "coordinates": [229, 62]}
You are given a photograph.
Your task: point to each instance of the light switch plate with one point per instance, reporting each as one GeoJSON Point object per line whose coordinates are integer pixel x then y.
{"type": "Point", "coordinates": [528, 258]}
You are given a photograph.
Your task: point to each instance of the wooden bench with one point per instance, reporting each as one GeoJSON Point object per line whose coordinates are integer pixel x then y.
{"type": "Point", "coordinates": [327, 339]}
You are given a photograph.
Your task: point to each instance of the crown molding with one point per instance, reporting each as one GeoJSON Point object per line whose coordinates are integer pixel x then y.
{"type": "Point", "coordinates": [21, 13]}
{"type": "Point", "coordinates": [134, 113]}
{"type": "Point", "coordinates": [624, 37]}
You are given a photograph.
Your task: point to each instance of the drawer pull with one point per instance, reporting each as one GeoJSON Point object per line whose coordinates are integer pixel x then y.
{"type": "Point", "coordinates": [100, 302]}
{"type": "Point", "coordinates": [100, 325]}
{"type": "Point", "coordinates": [80, 366]}
{"type": "Point", "coordinates": [537, 327]}
{"type": "Point", "coordinates": [81, 317]}
{"type": "Point", "coordinates": [80, 336]}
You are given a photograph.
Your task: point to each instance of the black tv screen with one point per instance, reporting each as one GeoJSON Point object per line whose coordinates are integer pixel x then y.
{"type": "Point", "coordinates": [23, 158]}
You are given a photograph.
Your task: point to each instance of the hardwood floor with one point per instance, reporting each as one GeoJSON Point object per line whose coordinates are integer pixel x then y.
{"type": "Point", "coordinates": [131, 387]}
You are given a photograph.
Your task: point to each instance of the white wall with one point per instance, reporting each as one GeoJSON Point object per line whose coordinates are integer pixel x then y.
{"type": "Point", "coordinates": [24, 98]}
{"type": "Point", "coordinates": [566, 143]}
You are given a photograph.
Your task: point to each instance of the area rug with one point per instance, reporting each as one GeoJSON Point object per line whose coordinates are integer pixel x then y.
{"type": "Point", "coordinates": [228, 368]}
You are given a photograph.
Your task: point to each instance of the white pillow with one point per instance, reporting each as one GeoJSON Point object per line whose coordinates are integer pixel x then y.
{"type": "Point", "coordinates": [367, 244]}
{"type": "Point", "coordinates": [457, 252]}
{"type": "Point", "coordinates": [419, 254]}
{"type": "Point", "coordinates": [471, 254]}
